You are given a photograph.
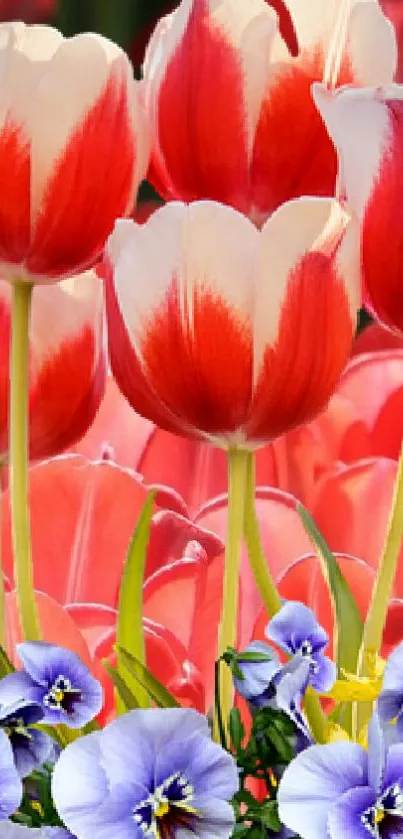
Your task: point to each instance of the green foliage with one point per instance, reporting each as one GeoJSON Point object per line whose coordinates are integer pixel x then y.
{"type": "Point", "coordinates": [129, 630]}
{"type": "Point", "coordinates": [262, 755]}
{"type": "Point", "coordinates": [155, 691]}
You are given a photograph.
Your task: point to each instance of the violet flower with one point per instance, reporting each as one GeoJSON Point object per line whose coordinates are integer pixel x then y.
{"type": "Point", "coordinates": [31, 748]}
{"type": "Point", "coordinates": [296, 631]}
{"type": "Point", "coordinates": [257, 674]}
{"type": "Point", "coordinates": [10, 830]}
{"type": "Point", "coordinates": [148, 773]}
{"type": "Point", "coordinates": [341, 791]}
{"type": "Point", "coordinates": [10, 782]}
{"type": "Point", "coordinates": [390, 701]}
{"type": "Point", "coordinates": [57, 680]}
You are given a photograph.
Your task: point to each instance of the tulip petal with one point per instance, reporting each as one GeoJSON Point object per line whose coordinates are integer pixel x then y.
{"type": "Point", "coordinates": [312, 255]}
{"type": "Point", "coordinates": [188, 321]}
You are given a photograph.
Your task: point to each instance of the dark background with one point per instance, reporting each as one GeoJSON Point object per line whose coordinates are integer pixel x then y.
{"type": "Point", "coordinates": [128, 22]}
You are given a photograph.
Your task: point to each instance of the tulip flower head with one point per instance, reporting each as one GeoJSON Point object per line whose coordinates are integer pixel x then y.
{"type": "Point", "coordinates": [57, 680]}
{"type": "Point", "coordinates": [73, 148]}
{"type": "Point", "coordinates": [148, 773]}
{"type": "Point", "coordinates": [367, 129]}
{"type": "Point", "coordinates": [225, 332]}
{"type": "Point", "coordinates": [67, 362]}
{"type": "Point", "coordinates": [227, 90]}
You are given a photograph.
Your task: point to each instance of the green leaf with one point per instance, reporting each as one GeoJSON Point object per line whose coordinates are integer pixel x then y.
{"type": "Point", "coordinates": [347, 619]}
{"type": "Point", "coordinates": [5, 664]}
{"type": "Point", "coordinates": [155, 690]}
{"type": "Point", "coordinates": [128, 699]}
{"type": "Point", "coordinates": [129, 631]}
{"type": "Point", "coordinates": [269, 815]}
{"type": "Point", "coordinates": [254, 657]}
{"type": "Point", "coordinates": [236, 728]}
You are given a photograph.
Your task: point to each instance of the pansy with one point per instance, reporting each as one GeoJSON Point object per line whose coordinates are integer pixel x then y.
{"type": "Point", "coordinates": [257, 665]}
{"type": "Point", "coordinates": [30, 746]}
{"type": "Point", "coordinates": [342, 791]}
{"type": "Point", "coordinates": [57, 680]}
{"type": "Point", "coordinates": [10, 782]}
{"type": "Point", "coordinates": [296, 631]}
{"type": "Point", "coordinates": [10, 830]}
{"type": "Point", "coordinates": [390, 702]}
{"type": "Point", "coordinates": [149, 773]}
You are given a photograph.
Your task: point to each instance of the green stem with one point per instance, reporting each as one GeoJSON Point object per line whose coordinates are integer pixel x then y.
{"type": "Point", "coordinates": [383, 586]}
{"type": "Point", "coordinates": [257, 560]}
{"type": "Point", "coordinates": [267, 588]}
{"type": "Point", "coordinates": [19, 392]}
{"type": "Point", "coordinates": [237, 460]}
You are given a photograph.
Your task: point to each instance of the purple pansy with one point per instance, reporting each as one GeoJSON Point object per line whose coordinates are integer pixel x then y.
{"type": "Point", "coordinates": [257, 675]}
{"type": "Point", "coordinates": [341, 791]}
{"type": "Point", "coordinates": [9, 830]}
{"type": "Point", "coordinates": [31, 748]}
{"type": "Point", "coordinates": [10, 781]}
{"type": "Point", "coordinates": [57, 680]}
{"type": "Point", "coordinates": [148, 773]}
{"type": "Point", "coordinates": [296, 631]}
{"type": "Point", "coordinates": [390, 701]}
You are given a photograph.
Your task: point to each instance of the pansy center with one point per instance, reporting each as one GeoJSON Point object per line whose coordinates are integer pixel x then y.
{"type": "Point", "coordinates": [386, 815]}
{"type": "Point", "coordinates": [306, 649]}
{"type": "Point", "coordinates": [62, 696]}
{"type": "Point", "coordinates": [168, 808]}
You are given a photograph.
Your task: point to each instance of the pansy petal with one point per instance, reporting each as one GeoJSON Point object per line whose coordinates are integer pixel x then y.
{"type": "Point", "coordinates": [292, 625]}
{"type": "Point", "coordinates": [345, 814]}
{"type": "Point", "coordinates": [324, 673]}
{"type": "Point", "coordinates": [205, 766]}
{"type": "Point", "coordinates": [10, 784]}
{"type": "Point", "coordinates": [315, 780]}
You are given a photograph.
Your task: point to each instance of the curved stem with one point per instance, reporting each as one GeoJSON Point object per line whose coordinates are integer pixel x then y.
{"type": "Point", "coordinates": [19, 390]}
{"type": "Point", "coordinates": [257, 560]}
{"type": "Point", "coordinates": [383, 586]}
{"type": "Point", "coordinates": [268, 590]}
{"type": "Point", "coordinates": [237, 460]}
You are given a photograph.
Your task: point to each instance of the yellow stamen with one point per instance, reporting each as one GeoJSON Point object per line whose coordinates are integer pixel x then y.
{"type": "Point", "coordinates": [36, 805]}
{"type": "Point", "coordinates": [379, 815]}
{"type": "Point", "coordinates": [163, 809]}
{"type": "Point", "coordinates": [58, 696]}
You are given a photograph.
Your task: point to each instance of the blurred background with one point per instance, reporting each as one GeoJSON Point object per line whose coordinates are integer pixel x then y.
{"type": "Point", "coordinates": [128, 22]}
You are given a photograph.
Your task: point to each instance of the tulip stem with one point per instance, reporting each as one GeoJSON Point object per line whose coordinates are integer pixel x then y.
{"type": "Point", "coordinates": [383, 585]}
{"type": "Point", "coordinates": [20, 520]}
{"type": "Point", "coordinates": [257, 560]}
{"type": "Point", "coordinates": [227, 637]}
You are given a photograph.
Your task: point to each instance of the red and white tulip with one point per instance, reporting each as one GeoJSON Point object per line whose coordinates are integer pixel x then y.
{"type": "Point", "coordinates": [221, 331]}
{"type": "Point", "coordinates": [74, 145]}
{"type": "Point", "coordinates": [228, 92]}
{"type": "Point", "coordinates": [67, 362]}
{"type": "Point", "coordinates": [367, 129]}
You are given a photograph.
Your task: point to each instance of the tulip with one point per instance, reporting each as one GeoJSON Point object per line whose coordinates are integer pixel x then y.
{"type": "Point", "coordinates": [32, 11]}
{"type": "Point", "coordinates": [367, 129]}
{"type": "Point", "coordinates": [394, 10]}
{"type": "Point", "coordinates": [207, 345]}
{"type": "Point", "coordinates": [73, 148]}
{"type": "Point", "coordinates": [205, 330]}
{"type": "Point", "coordinates": [66, 359]}
{"type": "Point", "coordinates": [227, 89]}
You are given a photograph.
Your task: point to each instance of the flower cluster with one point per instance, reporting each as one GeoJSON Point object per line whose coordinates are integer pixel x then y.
{"type": "Point", "coordinates": [166, 633]}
